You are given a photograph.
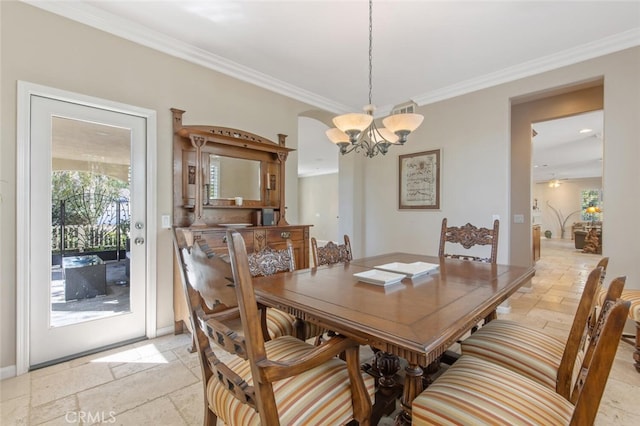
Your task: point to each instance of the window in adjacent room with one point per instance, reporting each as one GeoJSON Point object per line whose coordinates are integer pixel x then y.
{"type": "Point", "coordinates": [591, 198]}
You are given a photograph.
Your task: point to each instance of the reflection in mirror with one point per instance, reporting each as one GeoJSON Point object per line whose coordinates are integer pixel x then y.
{"type": "Point", "coordinates": [233, 177]}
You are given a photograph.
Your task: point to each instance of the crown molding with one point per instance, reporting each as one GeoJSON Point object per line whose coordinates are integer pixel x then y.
{"type": "Point", "coordinates": [611, 44]}
{"type": "Point", "coordinates": [96, 18]}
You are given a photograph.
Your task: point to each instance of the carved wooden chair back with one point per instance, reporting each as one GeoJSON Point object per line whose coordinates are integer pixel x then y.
{"type": "Point", "coordinates": [269, 261]}
{"type": "Point", "coordinates": [266, 371]}
{"type": "Point", "coordinates": [468, 236]}
{"type": "Point", "coordinates": [594, 372]}
{"type": "Point", "coordinates": [603, 263]}
{"type": "Point", "coordinates": [578, 333]}
{"type": "Point", "coordinates": [492, 394]}
{"type": "Point", "coordinates": [209, 327]}
{"type": "Point", "coordinates": [331, 252]}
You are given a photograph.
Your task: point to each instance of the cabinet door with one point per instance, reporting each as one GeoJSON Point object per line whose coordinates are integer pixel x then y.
{"type": "Point", "coordinates": [536, 243]}
{"type": "Point", "coordinates": [277, 239]}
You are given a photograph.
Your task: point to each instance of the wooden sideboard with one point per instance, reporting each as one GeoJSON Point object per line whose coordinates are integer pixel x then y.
{"type": "Point", "coordinates": [212, 166]}
{"type": "Point", "coordinates": [255, 238]}
{"type": "Point", "coordinates": [536, 242]}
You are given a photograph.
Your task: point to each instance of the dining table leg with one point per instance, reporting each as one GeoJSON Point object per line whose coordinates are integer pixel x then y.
{"type": "Point", "coordinates": [412, 388]}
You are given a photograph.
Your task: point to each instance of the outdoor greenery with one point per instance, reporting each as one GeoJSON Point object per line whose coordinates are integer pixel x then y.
{"type": "Point", "coordinates": [89, 211]}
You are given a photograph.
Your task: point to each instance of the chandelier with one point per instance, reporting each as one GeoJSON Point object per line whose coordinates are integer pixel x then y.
{"type": "Point", "coordinates": [358, 131]}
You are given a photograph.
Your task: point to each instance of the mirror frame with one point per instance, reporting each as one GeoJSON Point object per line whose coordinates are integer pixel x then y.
{"type": "Point", "coordinates": [193, 142]}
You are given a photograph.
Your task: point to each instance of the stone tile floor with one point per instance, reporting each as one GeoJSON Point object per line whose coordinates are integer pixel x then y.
{"type": "Point", "coordinates": [157, 382]}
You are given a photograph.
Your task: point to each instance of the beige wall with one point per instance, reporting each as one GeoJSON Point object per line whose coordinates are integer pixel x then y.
{"type": "Point", "coordinates": [43, 48]}
{"type": "Point", "coordinates": [473, 132]}
{"type": "Point", "coordinates": [318, 198]}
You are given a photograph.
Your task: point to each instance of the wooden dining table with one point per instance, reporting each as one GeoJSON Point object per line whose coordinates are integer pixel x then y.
{"type": "Point", "coordinates": [416, 319]}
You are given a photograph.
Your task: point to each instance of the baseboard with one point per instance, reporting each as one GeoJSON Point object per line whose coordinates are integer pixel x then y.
{"type": "Point", "coordinates": [7, 372]}
{"type": "Point", "coordinates": [164, 331]}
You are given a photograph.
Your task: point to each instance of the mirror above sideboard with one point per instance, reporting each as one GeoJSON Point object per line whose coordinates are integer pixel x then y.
{"type": "Point", "coordinates": [230, 177]}
{"type": "Point", "coordinates": [232, 163]}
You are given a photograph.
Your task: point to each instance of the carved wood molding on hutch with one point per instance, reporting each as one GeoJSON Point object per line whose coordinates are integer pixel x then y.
{"type": "Point", "coordinates": [205, 198]}
{"type": "Point", "coordinates": [212, 167]}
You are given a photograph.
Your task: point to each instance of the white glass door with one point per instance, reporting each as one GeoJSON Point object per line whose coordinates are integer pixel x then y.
{"type": "Point", "coordinates": [87, 229]}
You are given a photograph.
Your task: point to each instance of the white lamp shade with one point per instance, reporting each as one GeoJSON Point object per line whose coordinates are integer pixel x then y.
{"type": "Point", "coordinates": [352, 121]}
{"type": "Point", "coordinates": [337, 136]}
{"type": "Point", "coordinates": [387, 134]}
{"type": "Point", "coordinates": [403, 122]}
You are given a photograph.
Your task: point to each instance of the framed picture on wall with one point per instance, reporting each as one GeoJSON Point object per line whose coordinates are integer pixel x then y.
{"type": "Point", "coordinates": [419, 180]}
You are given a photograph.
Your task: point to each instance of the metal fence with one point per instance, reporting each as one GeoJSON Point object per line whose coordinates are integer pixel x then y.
{"type": "Point", "coordinates": [90, 223]}
{"type": "Point", "coordinates": [86, 238]}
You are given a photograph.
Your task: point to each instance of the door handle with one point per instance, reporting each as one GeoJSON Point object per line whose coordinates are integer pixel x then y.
{"type": "Point", "coordinates": [138, 241]}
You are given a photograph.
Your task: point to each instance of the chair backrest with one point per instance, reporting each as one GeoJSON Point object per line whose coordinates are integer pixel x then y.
{"type": "Point", "coordinates": [264, 371]}
{"type": "Point", "coordinates": [331, 252]}
{"type": "Point", "coordinates": [214, 283]}
{"type": "Point", "coordinates": [603, 263]}
{"type": "Point", "coordinates": [577, 334]}
{"type": "Point", "coordinates": [269, 261]}
{"type": "Point", "coordinates": [195, 267]}
{"type": "Point", "coordinates": [589, 387]}
{"type": "Point", "coordinates": [468, 236]}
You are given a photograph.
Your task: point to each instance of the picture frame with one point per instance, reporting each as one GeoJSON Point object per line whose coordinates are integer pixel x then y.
{"type": "Point", "coordinates": [419, 180]}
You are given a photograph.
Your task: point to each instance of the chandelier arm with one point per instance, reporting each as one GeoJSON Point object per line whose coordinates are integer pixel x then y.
{"type": "Point", "coordinates": [361, 130]}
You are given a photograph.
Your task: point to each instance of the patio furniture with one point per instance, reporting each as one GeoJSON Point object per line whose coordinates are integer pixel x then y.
{"type": "Point", "coordinates": [84, 277]}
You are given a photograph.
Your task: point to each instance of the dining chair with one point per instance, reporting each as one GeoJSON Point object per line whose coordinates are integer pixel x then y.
{"type": "Point", "coordinates": [477, 391]}
{"type": "Point", "coordinates": [632, 296]}
{"type": "Point", "coordinates": [533, 352]}
{"type": "Point", "coordinates": [269, 261]}
{"type": "Point", "coordinates": [331, 252]}
{"type": "Point", "coordinates": [469, 236]}
{"type": "Point", "coordinates": [284, 380]}
{"type": "Point", "coordinates": [212, 278]}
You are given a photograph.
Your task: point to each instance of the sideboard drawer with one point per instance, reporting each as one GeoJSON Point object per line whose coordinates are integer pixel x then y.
{"type": "Point", "coordinates": [283, 234]}
{"type": "Point", "coordinates": [217, 240]}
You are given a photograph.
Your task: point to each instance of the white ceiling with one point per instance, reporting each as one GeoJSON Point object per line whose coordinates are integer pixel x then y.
{"type": "Point", "coordinates": [561, 151]}
{"type": "Point", "coordinates": [317, 51]}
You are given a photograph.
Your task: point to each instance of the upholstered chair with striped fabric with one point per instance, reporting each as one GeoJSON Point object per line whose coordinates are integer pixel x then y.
{"type": "Point", "coordinates": [211, 276]}
{"type": "Point", "coordinates": [284, 380]}
{"type": "Point", "coordinates": [633, 296]}
{"type": "Point", "coordinates": [534, 352]}
{"type": "Point", "coordinates": [475, 391]}
{"type": "Point", "coordinates": [331, 252]}
{"type": "Point", "coordinates": [269, 261]}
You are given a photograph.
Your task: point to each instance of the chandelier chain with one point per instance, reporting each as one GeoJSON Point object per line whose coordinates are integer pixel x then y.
{"type": "Point", "coordinates": [370, 50]}
{"type": "Point", "coordinates": [355, 132]}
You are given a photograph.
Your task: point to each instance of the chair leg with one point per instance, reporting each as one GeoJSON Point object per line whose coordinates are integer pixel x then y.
{"type": "Point", "coordinates": [629, 338]}
{"type": "Point", "coordinates": [636, 354]}
{"type": "Point", "coordinates": [210, 418]}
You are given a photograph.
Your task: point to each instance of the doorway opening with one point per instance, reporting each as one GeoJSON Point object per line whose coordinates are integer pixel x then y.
{"type": "Point", "coordinates": [568, 201]}
{"type": "Point", "coordinates": [525, 112]}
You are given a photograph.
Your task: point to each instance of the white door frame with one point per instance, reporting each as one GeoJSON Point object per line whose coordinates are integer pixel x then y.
{"type": "Point", "coordinates": [23, 173]}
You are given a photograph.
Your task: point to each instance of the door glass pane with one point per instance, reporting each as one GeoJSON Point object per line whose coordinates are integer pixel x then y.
{"type": "Point", "coordinates": [90, 221]}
